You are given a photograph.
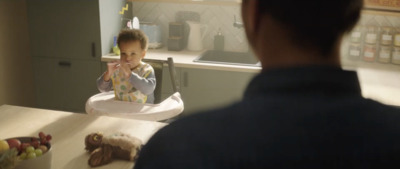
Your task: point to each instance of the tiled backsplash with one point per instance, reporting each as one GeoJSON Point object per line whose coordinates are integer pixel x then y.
{"type": "Point", "coordinates": [213, 16]}
{"type": "Point", "coordinates": [222, 17]}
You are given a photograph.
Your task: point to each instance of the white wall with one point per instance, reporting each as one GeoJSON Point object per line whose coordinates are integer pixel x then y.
{"type": "Point", "coordinates": [16, 77]}
{"type": "Point", "coordinates": [110, 22]}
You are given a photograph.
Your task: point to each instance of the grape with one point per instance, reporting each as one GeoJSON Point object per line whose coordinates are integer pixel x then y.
{"type": "Point", "coordinates": [23, 156]}
{"type": "Point", "coordinates": [41, 135]}
{"type": "Point", "coordinates": [43, 141]}
{"type": "Point", "coordinates": [48, 137]}
{"type": "Point", "coordinates": [31, 155]}
{"type": "Point", "coordinates": [35, 144]}
{"type": "Point", "coordinates": [30, 149]}
{"type": "Point", "coordinates": [43, 148]}
{"type": "Point", "coordinates": [24, 146]}
{"type": "Point", "coordinates": [38, 152]}
{"type": "Point", "coordinates": [34, 139]}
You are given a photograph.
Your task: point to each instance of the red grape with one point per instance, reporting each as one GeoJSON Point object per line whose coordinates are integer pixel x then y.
{"type": "Point", "coordinates": [35, 144]}
{"type": "Point", "coordinates": [24, 145]}
{"type": "Point", "coordinates": [48, 137]}
{"type": "Point", "coordinates": [41, 135]}
{"type": "Point", "coordinates": [43, 141]}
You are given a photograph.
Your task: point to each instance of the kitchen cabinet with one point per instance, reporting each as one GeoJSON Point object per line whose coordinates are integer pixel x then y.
{"type": "Point", "coordinates": [167, 86]}
{"type": "Point", "coordinates": [64, 84]}
{"type": "Point", "coordinates": [65, 29]}
{"type": "Point", "coordinates": [203, 89]}
{"type": "Point", "coordinates": [49, 89]}
{"type": "Point", "coordinates": [65, 43]}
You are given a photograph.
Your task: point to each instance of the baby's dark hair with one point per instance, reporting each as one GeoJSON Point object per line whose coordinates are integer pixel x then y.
{"type": "Point", "coordinates": [127, 35]}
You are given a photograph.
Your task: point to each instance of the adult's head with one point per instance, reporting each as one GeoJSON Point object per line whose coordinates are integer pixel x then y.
{"type": "Point", "coordinates": [315, 27]}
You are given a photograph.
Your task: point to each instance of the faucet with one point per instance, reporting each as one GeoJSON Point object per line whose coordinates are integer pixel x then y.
{"type": "Point", "coordinates": [237, 24]}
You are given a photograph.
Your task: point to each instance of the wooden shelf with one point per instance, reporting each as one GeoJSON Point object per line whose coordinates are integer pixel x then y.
{"type": "Point", "coordinates": [200, 2]}
{"type": "Point", "coordinates": [383, 5]}
{"type": "Point", "coordinates": [381, 12]}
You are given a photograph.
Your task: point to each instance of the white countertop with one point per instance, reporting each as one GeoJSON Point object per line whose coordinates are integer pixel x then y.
{"type": "Point", "coordinates": [68, 132]}
{"type": "Point", "coordinates": [378, 84]}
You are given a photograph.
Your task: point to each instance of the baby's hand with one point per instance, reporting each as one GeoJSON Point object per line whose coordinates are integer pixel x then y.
{"type": "Point", "coordinates": [126, 69]}
{"type": "Point", "coordinates": [112, 67]}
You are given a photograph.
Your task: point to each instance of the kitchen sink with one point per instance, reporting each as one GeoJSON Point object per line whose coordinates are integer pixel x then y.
{"type": "Point", "coordinates": [227, 57]}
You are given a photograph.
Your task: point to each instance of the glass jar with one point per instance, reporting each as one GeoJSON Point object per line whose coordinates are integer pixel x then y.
{"type": "Point", "coordinates": [354, 51]}
{"type": "Point", "coordinates": [356, 35]}
{"type": "Point", "coordinates": [371, 35]}
{"type": "Point", "coordinates": [397, 37]}
{"type": "Point", "coordinates": [396, 55]}
{"type": "Point", "coordinates": [385, 53]}
{"type": "Point", "coordinates": [369, 53]}
{"type": "Point", "coordinates": [387, 35]}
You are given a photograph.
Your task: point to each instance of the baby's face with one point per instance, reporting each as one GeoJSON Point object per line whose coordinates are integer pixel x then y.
{"type": "Point", "coordinates": [131, 53]}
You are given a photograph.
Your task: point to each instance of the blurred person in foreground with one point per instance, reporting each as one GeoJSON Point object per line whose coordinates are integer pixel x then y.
{"type": "Point", "coordinates": [301, 111]}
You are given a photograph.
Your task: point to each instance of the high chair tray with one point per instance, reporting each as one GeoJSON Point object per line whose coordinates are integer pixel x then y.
{"type": "Point", "coordinates": [105, 104]}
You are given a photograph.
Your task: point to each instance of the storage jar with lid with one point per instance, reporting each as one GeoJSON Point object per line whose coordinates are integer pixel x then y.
{"type": "Point", "coordinates": [369, 53]}
{"type": "Point", "coordinates": [396, 55]}
{"type": "Point", "coordinates": [386, 35]}
{"type": "Point", "coordinates": [397, 37]}
{"type": "Point", "coordinates": [371, 35]}
{"type": "Point", "coordinates": [385, 53]}
{"type": "Point", "coordinates": [354, 51]}
{"type": "Point", "coordinates": [356, 34]}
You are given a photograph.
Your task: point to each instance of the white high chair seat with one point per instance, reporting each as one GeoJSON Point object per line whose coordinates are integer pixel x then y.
{"type": "Point", "coordinates": [105, 104]}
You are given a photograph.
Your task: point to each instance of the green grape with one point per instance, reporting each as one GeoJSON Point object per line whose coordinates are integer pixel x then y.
{"type": "Point", "coordinates": [38, 152]}
{"type": "Point", "coordinates": [31, 155]}
{"type": "Point", "coordinates": [22, 156]}
{"type": "Point", "coordinates": [29, 149]}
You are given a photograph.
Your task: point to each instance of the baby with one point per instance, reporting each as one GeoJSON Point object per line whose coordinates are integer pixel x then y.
{"type": "Point", "coordinates": [132, 79]}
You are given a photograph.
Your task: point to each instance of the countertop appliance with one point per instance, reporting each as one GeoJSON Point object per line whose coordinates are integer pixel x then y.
{"type": "Point", "coordinates": [196, 34]}
{"type": "Point", "coordinates": [153, 32]}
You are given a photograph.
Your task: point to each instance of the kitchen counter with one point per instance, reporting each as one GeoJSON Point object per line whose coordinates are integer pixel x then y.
{"type": "Point", "coordinates": [185, 59]}
{"type": "Point", "coordinates": [68, 132]}
{"type": "Point", "coordinates": [381, 85]}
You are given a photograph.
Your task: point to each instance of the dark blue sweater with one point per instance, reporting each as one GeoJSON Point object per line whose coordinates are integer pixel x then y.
{"type": "Point", "coordinates": [306, 117]}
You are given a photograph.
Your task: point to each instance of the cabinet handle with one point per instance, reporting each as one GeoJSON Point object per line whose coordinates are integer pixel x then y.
{"type": "Point", "coordinates": [185, 79]}
{"type": "Point", "coordinates": [64, 63]}
{"type": "Point", "coordinates": [93, 49]}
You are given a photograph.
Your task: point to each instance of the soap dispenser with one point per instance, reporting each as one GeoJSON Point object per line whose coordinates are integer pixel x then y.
{"type": "Point", "coordinates": [115, 47]}
{"type": "Point", "coordinates": [219, 41]}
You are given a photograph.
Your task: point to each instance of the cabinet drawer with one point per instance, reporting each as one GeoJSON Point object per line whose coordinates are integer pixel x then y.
{"type": "Point", "coordinates": [65, 84]}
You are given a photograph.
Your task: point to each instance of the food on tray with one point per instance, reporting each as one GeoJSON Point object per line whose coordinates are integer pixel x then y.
{"type": "Point", "coordinates": [103, 149]}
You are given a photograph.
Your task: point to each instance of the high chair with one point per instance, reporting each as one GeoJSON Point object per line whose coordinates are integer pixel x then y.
{"type": "Point", "coordinates": [105, 103]}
